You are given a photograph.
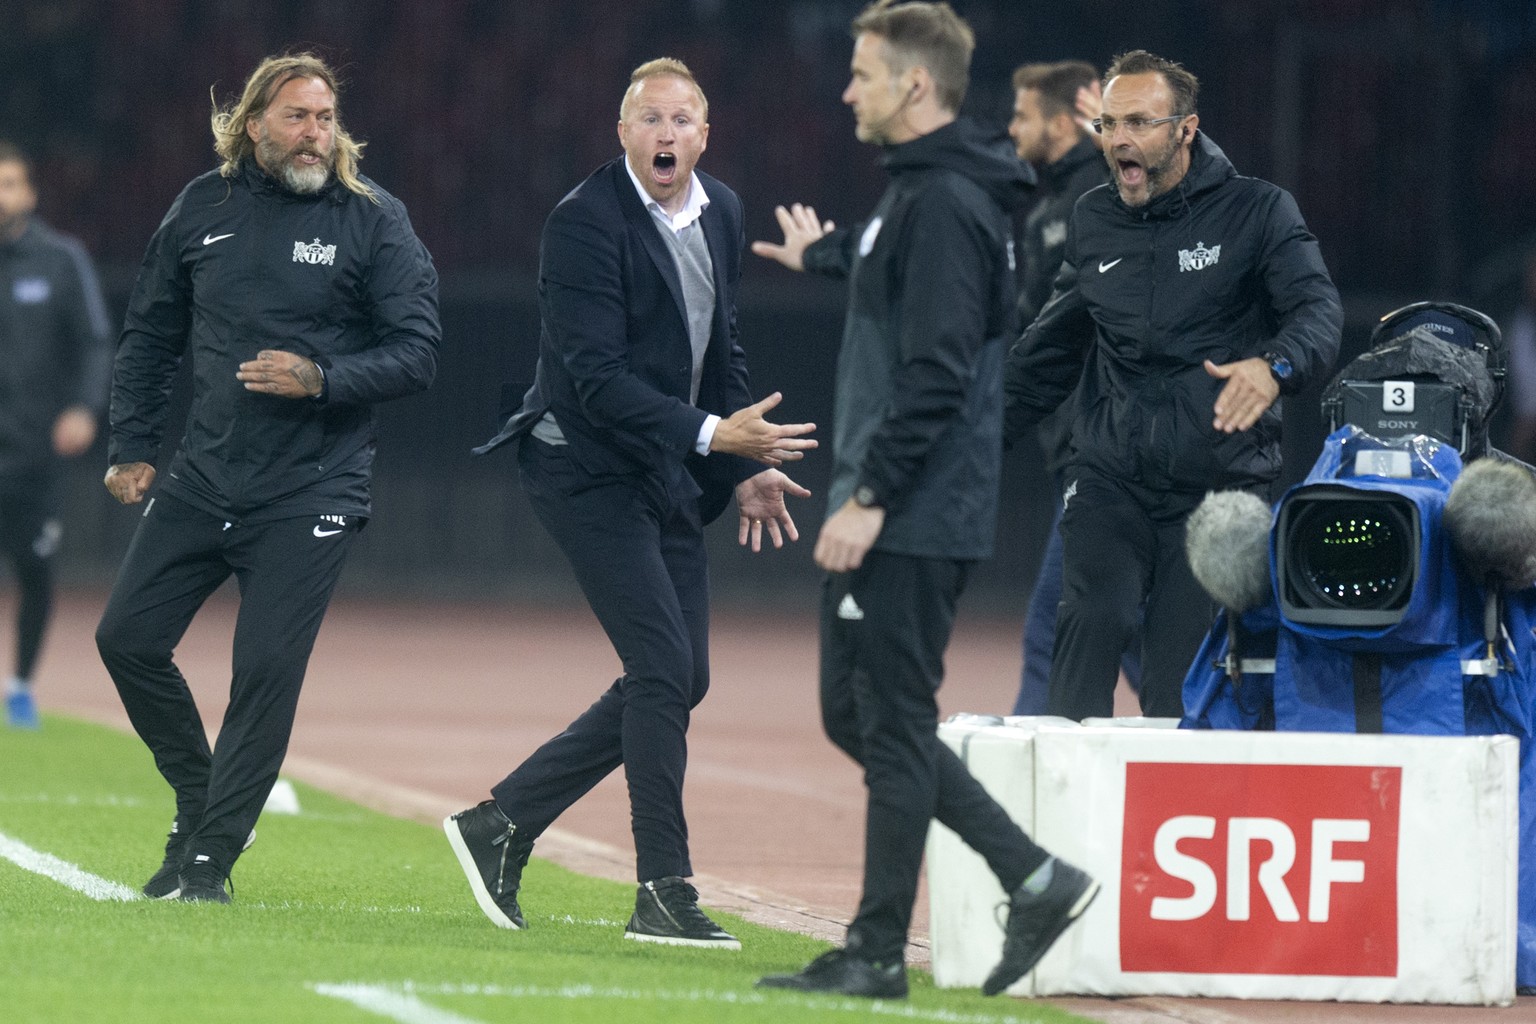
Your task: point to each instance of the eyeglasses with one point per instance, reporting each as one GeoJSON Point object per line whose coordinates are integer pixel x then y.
{"type": "Point", "coordinates": [1134, 125]}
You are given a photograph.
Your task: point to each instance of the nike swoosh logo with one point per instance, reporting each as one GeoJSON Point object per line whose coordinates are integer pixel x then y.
{"type": "Point", "coordinates": [1105, 266]}
{"type": "Point", "coordinates": [325, 533]}
{"type": "Point", "coordinates": [210, 239]}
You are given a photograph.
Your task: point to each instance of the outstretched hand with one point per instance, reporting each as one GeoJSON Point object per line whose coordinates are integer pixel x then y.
{"type": "Point", "coordinates": [746, 433]}
{"type": "Point", "coordinates": [801, 228]}
{"type": "Point", "coordinates": [760, 500]}
{"type": "Point", "coordinates": [1250, 390]}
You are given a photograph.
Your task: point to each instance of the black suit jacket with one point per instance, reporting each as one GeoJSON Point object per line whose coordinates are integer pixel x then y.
{"type": "Point", "coordinates": [615, 362]}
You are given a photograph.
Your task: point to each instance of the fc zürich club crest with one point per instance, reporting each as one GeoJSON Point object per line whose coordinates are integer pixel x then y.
{"type": "Point", "coordinates": [1197, 258]}
{"type": "Point", "coordinates": [314, 252]}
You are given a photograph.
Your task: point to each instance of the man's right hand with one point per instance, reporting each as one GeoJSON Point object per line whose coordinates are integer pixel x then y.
{"type": "Point", "coordinates": [747, 434]}
{"type": "Point", "coordinates": [801, 228]}
{"type": "Point", "coordinates": [128, 482]}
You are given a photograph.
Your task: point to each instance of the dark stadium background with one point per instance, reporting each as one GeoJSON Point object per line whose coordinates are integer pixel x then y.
{"type": "Point", "coordinates": [1405, 128]}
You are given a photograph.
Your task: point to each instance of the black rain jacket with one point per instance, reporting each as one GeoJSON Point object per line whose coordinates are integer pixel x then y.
{"type": "Point", "coordinates": [1045, 229]}
{"type": "Point", "coordinates": [1220, 267]}
{"type": "Point", "coordinates": [931, 308]}
{"type": "Point", "coordinates": [240, 265]}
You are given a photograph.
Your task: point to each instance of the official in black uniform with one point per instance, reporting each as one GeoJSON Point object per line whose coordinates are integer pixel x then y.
{"type": "Point", "coordinates": [55, 360]}
{"type": "Point", "coordinates": [304, 298]}
{"type": "Point", "coordinates": [913, 499]}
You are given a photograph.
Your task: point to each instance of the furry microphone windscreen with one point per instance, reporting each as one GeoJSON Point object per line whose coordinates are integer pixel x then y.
{"type": "Point", "coordinates": [1227, 538]}
{"type": "Point", "coordinates": [1490, 517]}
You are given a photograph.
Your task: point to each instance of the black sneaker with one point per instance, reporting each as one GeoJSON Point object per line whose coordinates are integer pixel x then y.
{"type": "Point", "coordinates": [165, 884]}
{"type": "Point", "coordinates": [202, 881]}
{"type": "Point", "coordinates": [842, 973]}
{"type": "Point", "coordinates": [1036, 921]}
{"type": "Point", "coordinates": [667, 911]}
{"type": "Point", "coordinates": [493, 858]}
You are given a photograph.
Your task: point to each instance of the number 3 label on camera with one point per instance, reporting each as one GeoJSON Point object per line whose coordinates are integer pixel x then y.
{"type": "Point", "coordinates": [1397, 396]}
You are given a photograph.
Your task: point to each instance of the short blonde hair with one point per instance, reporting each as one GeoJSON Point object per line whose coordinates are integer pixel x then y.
{"type": "Point", "coordinates": [235, 146]}
{"type": "Point", "coordinates": [656, 68]}
{"type": "Point", "coordinates": [928, 35]}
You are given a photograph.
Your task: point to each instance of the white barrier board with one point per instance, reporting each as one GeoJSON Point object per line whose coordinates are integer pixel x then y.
{"type": "Point", "coordinates": [1252, 865]}
{"type": "Point", "coordinates": [963, 899]}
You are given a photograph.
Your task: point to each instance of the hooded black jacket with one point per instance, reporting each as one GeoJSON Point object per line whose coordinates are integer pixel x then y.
{"type": "Point", "coordinates": [918, 410]}
{"type": "Point", "coordinates": [1220, 267]}
{"type": "Point", "coordinates": [242, 264]}
{"type": "Point", "coordinates": [1045, 229]}
{"type": "Point", "coordinates": [55, 343]}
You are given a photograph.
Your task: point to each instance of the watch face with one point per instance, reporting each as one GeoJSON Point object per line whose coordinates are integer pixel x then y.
{"type": "Point", "coordinates": [1280, 367]}
{"type": "Point", "coordinates": [863, 496]}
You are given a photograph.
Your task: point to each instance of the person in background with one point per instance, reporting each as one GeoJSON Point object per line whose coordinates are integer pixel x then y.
{"type": "Point", "coordinates": [55, 363]}
{"type": "Point", "coordinates": [1054, 105]}
{"type": "Point", "coordinates": [1520, 338]}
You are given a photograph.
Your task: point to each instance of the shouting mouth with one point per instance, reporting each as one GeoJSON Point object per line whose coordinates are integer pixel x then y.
{"type": "Point", "coordinates": [664, 168]}
{"type": "Point", "coordinates": [1132, 173]}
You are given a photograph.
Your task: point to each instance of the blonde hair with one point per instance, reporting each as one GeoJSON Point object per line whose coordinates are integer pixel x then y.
{"type": "Point", "coordinates": [929, 35]}
{"type": "Point", "coordinates": [662, 66]}
{"type": "Point", "coordinates": [234, 145]}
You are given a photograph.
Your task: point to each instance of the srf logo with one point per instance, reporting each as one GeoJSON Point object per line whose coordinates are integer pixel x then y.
{"type": "Point", "coordinates": [1260, 869]}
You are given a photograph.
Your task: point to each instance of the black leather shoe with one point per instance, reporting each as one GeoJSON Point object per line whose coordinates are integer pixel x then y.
{"type": "Point", "coordinates": [493, 856]}
{"type": "Point", "coordinates": [667, 911]}
{"type": "Point", "coordinates": [841, 973]}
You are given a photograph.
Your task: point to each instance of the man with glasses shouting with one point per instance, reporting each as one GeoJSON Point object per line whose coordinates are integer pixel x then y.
{"type": "Point", "coordinates": [1195, 297]}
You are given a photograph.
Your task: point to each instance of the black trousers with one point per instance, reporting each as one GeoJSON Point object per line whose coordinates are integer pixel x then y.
{"type": "Point", "coordinates": [29, 537]}
{"type": "Point", "coordinates": [639, 557]}
{"type": "Point", "coordinates": [1124, 551]}
{"type": "Point", "coordinates": [286, 571]}
{"type": "Point", "coordinates": [884, 629]}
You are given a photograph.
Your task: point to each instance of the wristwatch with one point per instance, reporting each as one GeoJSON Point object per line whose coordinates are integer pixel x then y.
{"type": "Point", "coordinates": [864, 496]}
{"type": "Point", "coordinates": [1279, 366]}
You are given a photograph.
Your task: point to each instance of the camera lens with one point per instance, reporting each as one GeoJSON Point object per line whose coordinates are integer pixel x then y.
{"type": "Point", "coordinates": [1354, 554]}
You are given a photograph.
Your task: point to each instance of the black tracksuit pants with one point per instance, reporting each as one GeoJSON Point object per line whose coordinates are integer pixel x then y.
{"type": "Point", "coordinates": [884, 630]}
{"type": "Point", "coordinates": [1124, 546]}
{"type": "Point", "coordinates": [286, 571]}
{"type": "Point", "coordinates": [639, 557]}
{"type": "Point", "coordinates": [29, 537]}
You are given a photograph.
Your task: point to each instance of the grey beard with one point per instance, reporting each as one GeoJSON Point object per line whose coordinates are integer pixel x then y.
{"type": "Point", "coordinates": [306, 181]}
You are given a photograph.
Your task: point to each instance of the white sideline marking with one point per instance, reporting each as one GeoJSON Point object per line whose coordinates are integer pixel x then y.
{"type": "Point", "coordinates": [401, 1003]}
{"type": "Point", "coordinates": [63, 872]}
{"type": "Point", "coordinates": [386, 1002]}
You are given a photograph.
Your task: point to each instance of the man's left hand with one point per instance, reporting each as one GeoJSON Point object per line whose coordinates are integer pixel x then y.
{"type": "Point", "coordinates": [760, 499]}
{"type": "Point", "coordinates": [1250, 390]}
{"type": "Point", "coordinates": [274, 372]}
{"type": "Point", "coordinates": [847, 537]}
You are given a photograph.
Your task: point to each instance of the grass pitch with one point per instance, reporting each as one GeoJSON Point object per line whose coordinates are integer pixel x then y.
{"type": "Point", "coordinates": [344, 915]}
